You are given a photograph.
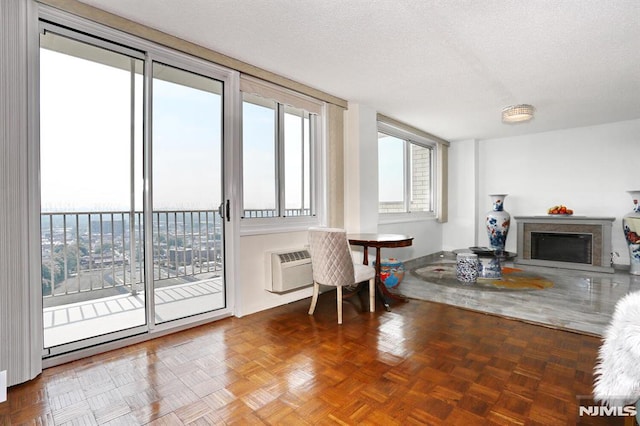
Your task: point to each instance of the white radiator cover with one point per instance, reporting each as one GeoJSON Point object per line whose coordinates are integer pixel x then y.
{"type": "Point", "coordinates": [288, 270]}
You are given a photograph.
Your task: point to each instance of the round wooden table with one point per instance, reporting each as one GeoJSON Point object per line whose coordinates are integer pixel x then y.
{"type": "Point", "coordinates": [379, 241]}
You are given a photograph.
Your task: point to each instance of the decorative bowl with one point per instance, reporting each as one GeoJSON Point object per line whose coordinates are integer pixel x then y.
{"type": "Point", "coordinates": [560, 210]}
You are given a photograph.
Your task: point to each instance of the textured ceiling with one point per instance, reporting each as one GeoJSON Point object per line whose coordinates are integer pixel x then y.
{"type": "Point", "coordinates": [447, 67]}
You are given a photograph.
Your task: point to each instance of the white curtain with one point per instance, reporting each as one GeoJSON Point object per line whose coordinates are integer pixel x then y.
{"type": "Point", "coordinates": [335, 166]}
{"type": "Point", "coordinates": [20, 292]}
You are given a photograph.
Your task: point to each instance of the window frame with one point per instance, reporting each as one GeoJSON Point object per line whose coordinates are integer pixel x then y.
{"type": "Point", "coordinates": [113, 39]}
{"type": "Point", "coordinates": [286, 98]}
{"type": "Point", "coordinates": [409, 138]}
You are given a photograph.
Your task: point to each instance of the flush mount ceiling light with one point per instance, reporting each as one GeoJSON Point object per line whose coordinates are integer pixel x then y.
{"type": "Point", "coordinates": [517, 113]}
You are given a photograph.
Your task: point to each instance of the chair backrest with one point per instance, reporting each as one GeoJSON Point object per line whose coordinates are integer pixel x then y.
{"type": "Point", "coordinates": [331, 259]}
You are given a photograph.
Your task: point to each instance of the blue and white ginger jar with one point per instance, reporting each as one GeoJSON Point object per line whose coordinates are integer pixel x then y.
{"type": "Point", "coordinates": [498, 221]}
{"type": "Point", "coordinates": [631, 228]}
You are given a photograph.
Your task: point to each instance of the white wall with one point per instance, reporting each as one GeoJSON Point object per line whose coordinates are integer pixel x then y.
{"type": "Point", "coordinates": [361, 189]}
{"type": "Point", "coordinates": [461, 229]}
{"type": "Point", "coordinates": [427, 238]}
{"type": "Point", "coordinates": [361, 169]}
{"type": "Point", "coordinates": [251, 295]}
{"type": "Point", "coordinates": [587, 169]}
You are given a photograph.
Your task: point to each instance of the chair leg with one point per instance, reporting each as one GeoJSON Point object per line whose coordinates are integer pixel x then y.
{"type": "Point", "coordinates": [314, 298]}
{"type": "Point", "coordinates": [339, 297]}
{"type": "Point", "coordinates": [372, 295]}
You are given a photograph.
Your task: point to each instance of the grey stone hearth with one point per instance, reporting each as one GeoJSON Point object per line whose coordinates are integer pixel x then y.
{"type": "Point", "coordinates": [597, 229]}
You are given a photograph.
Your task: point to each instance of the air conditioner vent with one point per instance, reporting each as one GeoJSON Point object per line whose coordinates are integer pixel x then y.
{"type": "Point", "coordinates": [293, 256]}
{"type": "Point", "coordinates": [288, 270]}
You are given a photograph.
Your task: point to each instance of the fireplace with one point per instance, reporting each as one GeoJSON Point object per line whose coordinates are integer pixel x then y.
{"type": "Point", "coordinates": [572, 242]}
{"type": "Point", "coordinates": [575, 248]}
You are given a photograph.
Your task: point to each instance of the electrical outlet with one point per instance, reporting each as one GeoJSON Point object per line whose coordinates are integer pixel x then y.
{"type": "Point", "coordinates": [3, 386]}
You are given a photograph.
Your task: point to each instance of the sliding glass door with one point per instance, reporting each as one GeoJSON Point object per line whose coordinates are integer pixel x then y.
{"type": "Point", "coordinates": [91, 191]}
{"type": "Point", "coordinates": [188, 237]}
{"type": "Point", "coordinates": [131, 185]}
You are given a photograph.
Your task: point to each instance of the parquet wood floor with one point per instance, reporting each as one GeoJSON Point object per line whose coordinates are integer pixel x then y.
{"type": "Point", "coordinates": [423, 363]}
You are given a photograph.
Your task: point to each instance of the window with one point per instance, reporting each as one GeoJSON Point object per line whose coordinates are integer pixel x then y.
{"type": "Point", "coordinates": [279, 143]}
{"type": "Point", "coordinates": [259, 157]}
{"type": "Point", "coordinates": [405, 172]}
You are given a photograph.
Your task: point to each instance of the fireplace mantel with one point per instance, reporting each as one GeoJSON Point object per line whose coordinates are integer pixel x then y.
{"type": "Point", "coordinates": [599, 228]}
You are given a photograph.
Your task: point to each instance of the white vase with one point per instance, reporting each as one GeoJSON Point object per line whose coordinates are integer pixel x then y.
{"type": "Point", "coordinates": [498, 221]}
{"type": "Point", "coordinates": [631, 228]}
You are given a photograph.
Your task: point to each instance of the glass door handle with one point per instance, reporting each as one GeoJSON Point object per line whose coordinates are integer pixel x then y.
{"type": "Point", "coordinates": [224, 210]}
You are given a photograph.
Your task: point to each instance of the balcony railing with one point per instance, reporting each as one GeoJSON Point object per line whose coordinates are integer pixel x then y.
{"type": "Point", "coordinates": [257, 213]}
{"type": "Point", "coordinates": [103, 251]}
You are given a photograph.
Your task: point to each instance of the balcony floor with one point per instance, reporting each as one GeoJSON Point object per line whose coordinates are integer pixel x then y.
{"type": "Point", "coordinates": [82, 320]}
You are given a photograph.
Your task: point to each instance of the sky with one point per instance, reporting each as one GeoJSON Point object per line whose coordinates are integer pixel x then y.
{"type": "Point", "coordinates": [390, 177]}
{"type": "Point", "coordinates": [84, 134]}
{"type": "Point", "coordinates": [86, 141]}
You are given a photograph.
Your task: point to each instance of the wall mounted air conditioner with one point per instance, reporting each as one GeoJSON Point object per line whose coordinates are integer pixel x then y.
{"type": "Point", "coordinates": [288, 270]}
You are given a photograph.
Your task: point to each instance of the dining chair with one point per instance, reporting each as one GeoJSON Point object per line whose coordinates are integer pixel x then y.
{"type": "Point", "coordinates": [333, 265]}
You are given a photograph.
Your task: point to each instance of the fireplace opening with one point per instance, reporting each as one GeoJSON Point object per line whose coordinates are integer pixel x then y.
{"type": "Point", "coordinates": [561, 247]}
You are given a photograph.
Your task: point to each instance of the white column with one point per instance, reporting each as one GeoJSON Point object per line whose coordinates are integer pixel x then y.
{"type": "Point", "coordinates": [20, 291]}
{"type": "Point", "coordinates": [461, 229]}
{"type": "Point", "coordinates": [361, 169]}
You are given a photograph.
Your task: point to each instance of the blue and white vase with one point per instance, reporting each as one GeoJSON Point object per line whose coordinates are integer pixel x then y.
{"type": "Point", "coordinates": [498, 221]}
{"type": "Point", "coordinates": [631, 228]}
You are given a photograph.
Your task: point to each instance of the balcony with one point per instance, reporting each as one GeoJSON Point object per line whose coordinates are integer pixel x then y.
{"type": "Point", "coordinates": [93, 270]}
{"type": "Point", "coordinates": [262, 213]}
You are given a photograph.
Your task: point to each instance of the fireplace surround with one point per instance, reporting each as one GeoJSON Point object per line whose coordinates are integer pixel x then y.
{"type": "Point", "coordinates": [572, 242]}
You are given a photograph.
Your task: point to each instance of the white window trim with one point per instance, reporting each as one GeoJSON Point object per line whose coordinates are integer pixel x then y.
{"type": "Point", "coordinates": [273, 225]}
{"type": "Point", "coordinates": [387, 218]}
